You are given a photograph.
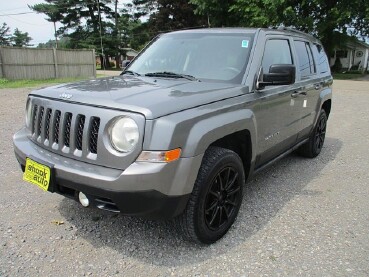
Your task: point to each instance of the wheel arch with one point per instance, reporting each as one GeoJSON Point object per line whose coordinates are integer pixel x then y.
{"type": "Point", "coordinates": [240, 143]}
{"type": "Point", "coordinates": [326, 106]}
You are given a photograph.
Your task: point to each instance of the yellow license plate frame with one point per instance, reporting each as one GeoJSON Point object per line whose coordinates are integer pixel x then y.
{"type": "Point", "coordinates": [37, 174]}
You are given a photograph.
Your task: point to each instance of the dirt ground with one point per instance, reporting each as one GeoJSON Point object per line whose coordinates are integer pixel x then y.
{"type": "Point", "coordinates": [301, 217]}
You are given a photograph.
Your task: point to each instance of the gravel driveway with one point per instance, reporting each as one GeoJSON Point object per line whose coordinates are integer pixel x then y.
{"type": "Point", "coordinates": [300, 217]}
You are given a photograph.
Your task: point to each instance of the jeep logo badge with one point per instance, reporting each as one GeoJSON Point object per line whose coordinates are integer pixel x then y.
{"type": "Point", "coordinates": [65, 96]}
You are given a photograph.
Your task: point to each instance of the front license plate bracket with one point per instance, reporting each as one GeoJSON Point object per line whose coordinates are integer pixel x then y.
{"type": "Point", "coordinates": [39, 174]}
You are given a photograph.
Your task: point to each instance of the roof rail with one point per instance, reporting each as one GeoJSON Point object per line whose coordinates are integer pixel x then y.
{"type": "Point", "coordinates": [294, 30]}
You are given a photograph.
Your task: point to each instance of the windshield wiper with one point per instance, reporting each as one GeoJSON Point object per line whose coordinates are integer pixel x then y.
{"type": "Point", "coordinates": [172, 75]}
{"type": "Point", "coordinates": [130, 72]}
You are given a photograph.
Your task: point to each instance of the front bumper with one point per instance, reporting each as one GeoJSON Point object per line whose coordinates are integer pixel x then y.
{"type": "Point", "coordinates": [150, 190]}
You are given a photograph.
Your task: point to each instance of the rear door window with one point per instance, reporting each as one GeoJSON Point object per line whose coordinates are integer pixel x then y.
{"type": "Point", "coordinates": [304, 55]}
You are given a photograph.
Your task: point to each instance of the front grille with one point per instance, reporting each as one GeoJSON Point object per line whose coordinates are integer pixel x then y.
{"type": "Point", "coordinates": [94, 134]}
{"type": "Point", "coordinates": [35, 110]}
{"type": "Point", "coordinates": [68, 123]}
{"type": "Point", "coordinates": [47, 124]}
{"type": "Point", "coordinates": [39, 123]}
{"type": "Point", "coordinates": [57, 126]}
{"type": "Point", "coordinates": [65, 131]}
{"type": "Point", "coordinates": [80, 126]}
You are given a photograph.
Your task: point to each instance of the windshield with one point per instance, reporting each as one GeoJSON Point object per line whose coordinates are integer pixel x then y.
{"type": "Point", "coordinates": [204, 56]}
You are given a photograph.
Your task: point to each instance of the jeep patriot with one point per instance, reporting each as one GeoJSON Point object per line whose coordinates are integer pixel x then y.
{"type": "Point", "coordinates": [185, 125]}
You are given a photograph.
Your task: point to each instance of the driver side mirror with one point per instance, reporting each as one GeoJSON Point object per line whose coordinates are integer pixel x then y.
{"type": "Point", "coordinates": [279, 74]}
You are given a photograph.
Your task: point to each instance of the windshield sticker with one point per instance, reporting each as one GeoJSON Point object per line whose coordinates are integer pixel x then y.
{"type": "Point", "coordinates": [245, 44]}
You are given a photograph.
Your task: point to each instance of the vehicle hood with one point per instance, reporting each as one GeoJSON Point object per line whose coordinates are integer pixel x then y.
{"type": "Point", "coordinates": [152, 97]}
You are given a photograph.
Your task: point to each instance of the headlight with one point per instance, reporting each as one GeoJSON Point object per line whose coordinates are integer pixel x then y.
{"type": "Point", "coordinates": [124, 134]}
{"type": "Point", "coordinates": [28, 113]}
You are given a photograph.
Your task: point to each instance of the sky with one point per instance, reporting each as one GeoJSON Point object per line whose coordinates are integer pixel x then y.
{"type": "Point", "coordinates": [38, 28]}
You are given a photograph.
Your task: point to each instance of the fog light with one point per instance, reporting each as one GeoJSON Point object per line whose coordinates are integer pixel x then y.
{"type": "Point", "coordinates": [83, 199]}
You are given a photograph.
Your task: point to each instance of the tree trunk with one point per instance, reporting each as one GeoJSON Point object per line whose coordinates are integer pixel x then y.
{"type": "Point", "coordinates": [102, 61]}
{"type": "Point", "coordinates": [117, 56]}
{"type": "Point", "coordinates": [56, 37]}
{"type": "Point", "coordinates": [107, 62]}
{"type": "Point", "coordinates": [118, 61]}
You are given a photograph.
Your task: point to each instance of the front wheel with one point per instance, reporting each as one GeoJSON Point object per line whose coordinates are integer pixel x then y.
{"type": "Point", "coordinates": [216, 197]}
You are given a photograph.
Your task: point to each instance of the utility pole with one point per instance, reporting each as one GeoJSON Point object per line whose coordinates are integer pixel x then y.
{"type": "Point", "coordinates": [56, 36]}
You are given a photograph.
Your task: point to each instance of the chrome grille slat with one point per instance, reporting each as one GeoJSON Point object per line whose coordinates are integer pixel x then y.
{"type": "Point", "coordinates": [86, 134]}
{"type": "Point", "coordinates": [72, 136]}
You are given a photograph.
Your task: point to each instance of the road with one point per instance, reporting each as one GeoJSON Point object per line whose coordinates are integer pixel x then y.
{"type": "Point", "coordinates": [300, 217]}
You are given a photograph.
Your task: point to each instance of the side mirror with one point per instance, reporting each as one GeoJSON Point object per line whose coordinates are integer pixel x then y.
{"type": "Point", "coordinates": [279, 74]}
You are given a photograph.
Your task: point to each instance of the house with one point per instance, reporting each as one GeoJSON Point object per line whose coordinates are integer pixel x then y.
{"type": "Point", "coordinates": [129, 54]}
{"type": "Point", "coordinates": [354, 55]}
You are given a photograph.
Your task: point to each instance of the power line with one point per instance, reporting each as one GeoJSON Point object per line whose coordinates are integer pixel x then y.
{"type": "Point", "coordinates": [22, 21]}
{"type": "Point", "coordinates": [56, 7]}
{"type": "Point", "coordinates": [15, 13]}
{"type": "Point", "coordinates": [13, 9]}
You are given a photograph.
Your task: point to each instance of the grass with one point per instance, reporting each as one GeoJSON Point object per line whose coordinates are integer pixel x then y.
{"type": "Point", "coordinates": [109, 69]}
{"type": "Point", "coordinates": [5, 83]}
{"type": "Point", "coordinates": [347, 76]}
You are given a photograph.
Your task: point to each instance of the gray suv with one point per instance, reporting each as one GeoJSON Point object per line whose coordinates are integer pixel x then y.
{"type": "Point", "coordinates": [177, 135]}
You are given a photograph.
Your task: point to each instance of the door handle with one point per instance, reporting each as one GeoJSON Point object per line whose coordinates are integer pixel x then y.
{"type": "Point", "coordinates": [297, 93]}
{"type": "Point", "coordinates": [317, 86]}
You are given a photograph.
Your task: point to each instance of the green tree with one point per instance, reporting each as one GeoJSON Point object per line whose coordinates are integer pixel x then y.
{"type": "Point", "coordinates": [53, 12]}
{"type": "Point", "coordinates": [20, 39]}
{"type": "Point", "coordinates": [4, 35]}
{"type": "Point", "coordinates": [322, 18]}
{"type": "Point", "coordinates": [143, 8]}
{"type": "Point", "coordinates": [217, 12]}
{"type": "Point", "coordinates": [133, 32]}
{"type": "Point", "coordinates": [63, 42]}
{"type": "Point", "coordinates": [174, 15]}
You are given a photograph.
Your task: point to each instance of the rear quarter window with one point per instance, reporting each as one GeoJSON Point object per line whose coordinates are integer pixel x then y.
{"type": "Point", "coordinates": [321, 59]}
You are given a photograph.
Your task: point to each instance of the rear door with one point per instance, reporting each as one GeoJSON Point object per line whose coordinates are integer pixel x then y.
{"type": "Point", "coordinates": [310, 86]}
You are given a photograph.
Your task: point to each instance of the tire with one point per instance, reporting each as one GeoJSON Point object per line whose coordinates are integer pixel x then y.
{"type": "Point", "coordinates": [216, 197]}
{"type": "Point", "coordinates": [314, 145]}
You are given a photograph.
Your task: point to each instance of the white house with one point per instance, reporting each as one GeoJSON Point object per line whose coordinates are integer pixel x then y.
{"type": "Point", "coordinates": [129, 54]}
{"type": "Point", "coordinates": [355, 56]}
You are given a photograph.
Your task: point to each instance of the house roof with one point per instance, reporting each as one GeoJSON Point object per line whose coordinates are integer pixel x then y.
{"type": "Point", "coordinates": [357, 43]}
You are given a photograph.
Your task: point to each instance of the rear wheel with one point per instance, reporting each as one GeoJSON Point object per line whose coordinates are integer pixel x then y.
{"type": "Point", "coordinates": [216, 197]}
{"type": "Point", "coordinates": [314, 145]}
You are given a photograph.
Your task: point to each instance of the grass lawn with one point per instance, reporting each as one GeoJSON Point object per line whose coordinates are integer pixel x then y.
{"type": "Point", "coordinates": [347, 76]}
{"type": "Point", "coordinates": [5, 83]}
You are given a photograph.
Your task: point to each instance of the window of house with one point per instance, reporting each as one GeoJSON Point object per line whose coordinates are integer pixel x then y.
{"type": "Point", "coordinates": [341, 54]}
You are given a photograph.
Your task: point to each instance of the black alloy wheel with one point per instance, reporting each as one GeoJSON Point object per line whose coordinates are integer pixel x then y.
{"type": "Point", "coordinates": [221, 200]}
{"type": "Point", "coordinates": [216, 197]}
{"type": "Point", "coordinates": [314, 145]}
{"type": "Point", "coordinates": [320, 133]}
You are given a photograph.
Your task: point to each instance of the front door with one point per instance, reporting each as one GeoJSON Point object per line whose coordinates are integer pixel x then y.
{"type": "Point", "coordinates": [277, 114]}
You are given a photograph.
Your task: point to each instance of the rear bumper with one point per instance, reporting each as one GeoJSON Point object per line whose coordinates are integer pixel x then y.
{"type": "Point", "coordinates": [150, 190]}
